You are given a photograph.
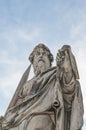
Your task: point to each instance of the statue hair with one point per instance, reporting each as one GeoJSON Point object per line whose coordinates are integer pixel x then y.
{"type": "Point", "coordinates": [45, 48]}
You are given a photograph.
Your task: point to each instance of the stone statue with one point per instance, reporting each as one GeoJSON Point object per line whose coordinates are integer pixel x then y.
{"type": "Point", "coordinates": [52, 99]}
{"type": "Point", "coordinates": [72, 96]}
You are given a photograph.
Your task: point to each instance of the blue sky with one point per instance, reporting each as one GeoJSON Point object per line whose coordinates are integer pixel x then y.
{"type": "Point", "coordinates": [24, 24]}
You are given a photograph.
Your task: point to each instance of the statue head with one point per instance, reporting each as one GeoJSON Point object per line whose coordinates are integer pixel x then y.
{"type": "Point", "coordinates": [41, 58]}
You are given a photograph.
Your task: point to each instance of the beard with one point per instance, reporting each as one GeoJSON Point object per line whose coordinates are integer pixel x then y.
{"type": "Point", "coordinates": [41, 64]}
{"type": "Point", "coordinates": [40, 67]}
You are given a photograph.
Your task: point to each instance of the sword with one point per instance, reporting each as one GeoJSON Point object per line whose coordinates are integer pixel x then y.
{"type": "Point", "coordinates": [19, 87]}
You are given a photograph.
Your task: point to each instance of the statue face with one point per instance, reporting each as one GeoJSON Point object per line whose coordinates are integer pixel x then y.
{"type": "Point", "coordinates": [41, 61]}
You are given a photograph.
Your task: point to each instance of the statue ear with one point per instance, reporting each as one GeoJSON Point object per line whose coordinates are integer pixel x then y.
{"type": "Point", "coordinates": [73, 64]}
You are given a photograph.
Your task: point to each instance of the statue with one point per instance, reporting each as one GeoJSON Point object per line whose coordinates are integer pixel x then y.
{"type": "Point", "coordinates": [52, 99]}
{"type": "Point", "coordinates": [72, 96]}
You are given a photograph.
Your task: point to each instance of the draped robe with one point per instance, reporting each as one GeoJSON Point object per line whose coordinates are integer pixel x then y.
{"type": "Point", "coordinates": [43, 94]}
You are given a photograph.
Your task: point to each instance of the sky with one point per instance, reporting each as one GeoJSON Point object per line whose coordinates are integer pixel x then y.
{"type": "Point", "coordinates": [26, 23]}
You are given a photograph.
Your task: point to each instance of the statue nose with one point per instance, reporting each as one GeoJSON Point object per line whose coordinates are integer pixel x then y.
{"type": "Point", "coordinates": [41, 55]}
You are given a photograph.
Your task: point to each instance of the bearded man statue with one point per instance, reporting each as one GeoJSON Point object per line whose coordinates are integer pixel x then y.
{"type": "Point", "coordinates": [52, 99]}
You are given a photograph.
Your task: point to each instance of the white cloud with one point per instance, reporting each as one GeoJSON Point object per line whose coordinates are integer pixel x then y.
{"type": "Point", "coordinates": [24, 34]}
{"type": "Point", "coordinates": [15, 35]}
{"type": "Point", "coordinates": [13, 68]}
{"type": "Point", "coordinates": [9, 83]}
{"type": "Point", "coordinates": [75, 31]}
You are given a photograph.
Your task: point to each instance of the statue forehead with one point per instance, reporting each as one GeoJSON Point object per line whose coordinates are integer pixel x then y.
{"type": "Point", "coordinates": [41, 48]}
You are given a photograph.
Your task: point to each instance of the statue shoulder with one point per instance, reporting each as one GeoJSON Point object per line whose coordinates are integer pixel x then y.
{"type": "Point", "coordinates": [27, 87]}
{"type": "Point", "coordinates": [24, 92]}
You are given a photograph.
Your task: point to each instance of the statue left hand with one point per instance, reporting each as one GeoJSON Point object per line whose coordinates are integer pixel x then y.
{"type": "Point", "coordinates": [60, 58]}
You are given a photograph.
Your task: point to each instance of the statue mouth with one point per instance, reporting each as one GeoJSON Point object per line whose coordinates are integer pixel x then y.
{"type": "Point", "coordinates": [41, 60]}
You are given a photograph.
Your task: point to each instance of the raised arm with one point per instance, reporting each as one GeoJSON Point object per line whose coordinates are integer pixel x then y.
{"type": "Point", "coordinates": [66, 62]}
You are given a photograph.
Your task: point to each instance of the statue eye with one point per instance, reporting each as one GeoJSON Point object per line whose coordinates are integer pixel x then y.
{"type": "Point", "coordinates": [37, 54]}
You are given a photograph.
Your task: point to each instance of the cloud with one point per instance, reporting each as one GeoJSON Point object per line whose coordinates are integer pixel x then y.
{"type": "Point", "coordinates": [28, 36]}
{"type": "Point", "coordinates": [7, 89]}
{"type": "Point", "coordinates": [12, 69]}
{"type": "Point", "coordinates": [16, 34]}
{"type": "Point", "coordinates": [75, 31]}
{"type": "Point", "coordinates": [9, 83]}
{"type": "Point", "coordinates": [9, 78]}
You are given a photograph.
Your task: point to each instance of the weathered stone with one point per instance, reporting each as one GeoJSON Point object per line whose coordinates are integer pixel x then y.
{"type": "Point", "coordinates": [52, 99]}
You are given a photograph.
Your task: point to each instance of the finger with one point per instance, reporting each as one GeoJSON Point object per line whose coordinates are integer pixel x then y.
{"type": "Point", "coordinates": [58, 55]}
{"type": "Point", "coordinates": [58, 59]}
